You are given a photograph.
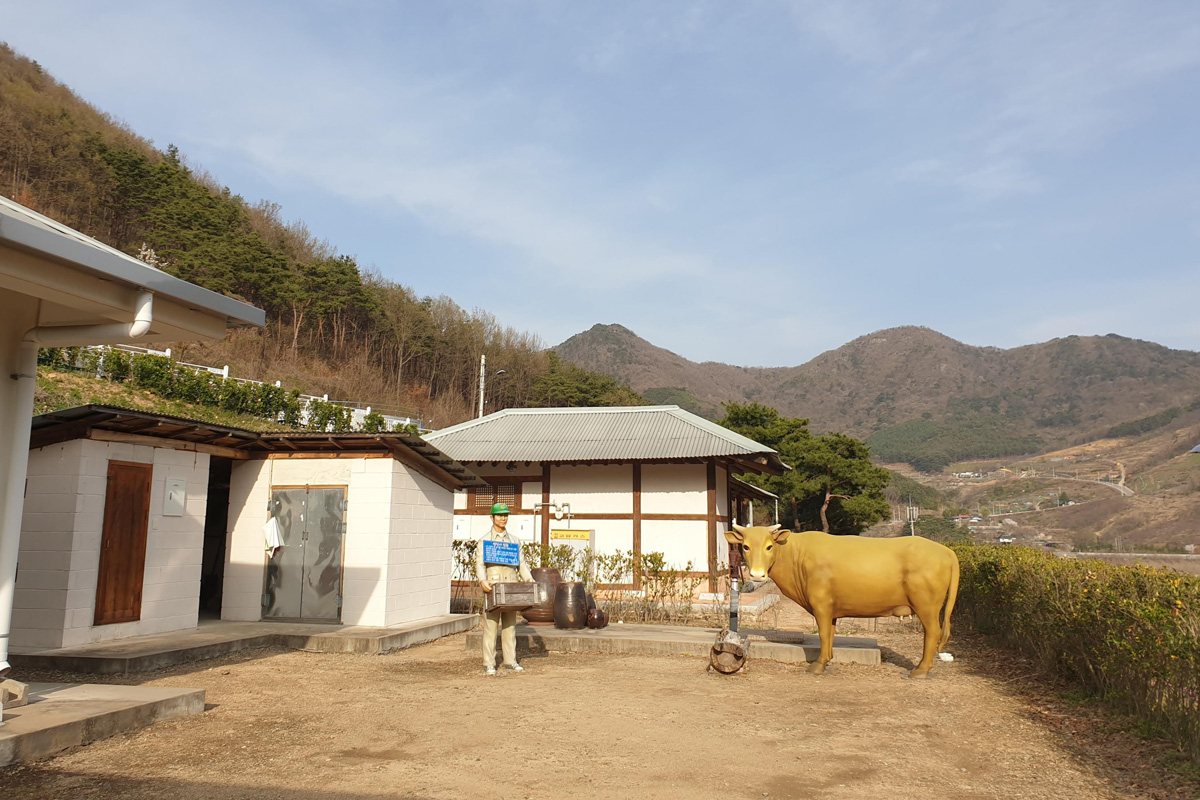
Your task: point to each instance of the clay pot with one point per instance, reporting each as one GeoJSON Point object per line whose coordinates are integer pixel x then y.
{"type": "Point", "coordinates": [547, 580]}
{"type": "Point", "coordinates": [597, 618]}
{"type": "Point", "coordinates": [570, 605]}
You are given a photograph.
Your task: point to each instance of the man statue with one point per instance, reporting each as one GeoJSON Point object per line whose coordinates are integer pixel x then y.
{"type": "Point", "coordinates": [496, 562]}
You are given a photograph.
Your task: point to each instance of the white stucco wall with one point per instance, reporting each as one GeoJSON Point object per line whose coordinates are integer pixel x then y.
{"type": "Point", "coordinates": [675, 489]}
{"type": "Point", "coordinates": [65, 522]}
{"type": "Point", "coordinates": [679, 541]}
{"type": "Point", "coordinates": [600, 488]}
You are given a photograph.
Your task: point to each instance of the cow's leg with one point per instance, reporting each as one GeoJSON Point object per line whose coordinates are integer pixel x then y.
{"type": "Point", "coordinates": [824, 619]}
{"type": "Point", "coordinates": [933, 632]}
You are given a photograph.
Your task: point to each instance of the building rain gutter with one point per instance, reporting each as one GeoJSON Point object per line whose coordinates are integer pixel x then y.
{"type": "Point", "coordinates": [112, 333]}
{"type": "Point", "coordinates": [26, 376]}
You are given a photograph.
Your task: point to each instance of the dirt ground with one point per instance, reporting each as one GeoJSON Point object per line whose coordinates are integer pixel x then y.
{"type": "Point", "coordinates": [426, 723]}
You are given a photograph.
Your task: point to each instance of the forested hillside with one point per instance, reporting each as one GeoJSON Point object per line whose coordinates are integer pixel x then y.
{"type": "Point", "coordinates": [333, 327]}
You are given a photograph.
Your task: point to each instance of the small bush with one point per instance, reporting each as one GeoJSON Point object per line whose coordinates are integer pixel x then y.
{"type": "Point", "coordinates": [1130, 635]}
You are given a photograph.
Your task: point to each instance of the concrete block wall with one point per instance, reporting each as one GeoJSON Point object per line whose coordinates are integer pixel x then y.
{"type": "Point", "coordinates": [61, 537]}
{"type": "Point", "coordinates": [366, 542]}
{"type": "Point", "coordinates": [396, 548]}
{"type": "Point", "coordinates": [44, 559]}
{"type": "Point", "coordinates": [174, 545]}
{"type": "Point", "coordinates": [245, 547]}
{"type": "Point", "coordinates": [420, 557]}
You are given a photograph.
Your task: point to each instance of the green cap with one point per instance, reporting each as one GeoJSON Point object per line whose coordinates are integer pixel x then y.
{"type": "Point", "coordinates": [500, 508]}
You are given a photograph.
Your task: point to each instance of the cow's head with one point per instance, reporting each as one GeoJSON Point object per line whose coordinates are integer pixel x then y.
{"type": "Point", "coordinates": [759, 547]}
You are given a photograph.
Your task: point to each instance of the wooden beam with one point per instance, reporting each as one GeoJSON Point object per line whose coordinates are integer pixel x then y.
{"type": "Point", "coordinates": [712, 525]}
{"type": "Point", "coordinates": [323, 454]}
{"type": "Point", "coordinates": [170, 444]}
{"type": "Point", "coordinates": [545, 505]}
{"type": "Point", "coordinates": [58, 434]}
{"type": "Point", "coordinates": [419, 465]}
{"type": "Point", "coordinates": [637, 522]}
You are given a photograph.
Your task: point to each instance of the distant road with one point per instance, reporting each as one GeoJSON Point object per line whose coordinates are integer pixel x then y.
{"type": "Point", "coordinates": [1125, 490]}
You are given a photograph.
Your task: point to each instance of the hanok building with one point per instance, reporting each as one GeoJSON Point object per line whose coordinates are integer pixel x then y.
{"type": "Point", "coordinates": [138, 523]}
{"type": "Point", "coordinates": [642, 479]}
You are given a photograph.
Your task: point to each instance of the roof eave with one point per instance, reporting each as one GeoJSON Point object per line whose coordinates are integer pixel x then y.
{"type": "Point", "coordinates": [47, 240]}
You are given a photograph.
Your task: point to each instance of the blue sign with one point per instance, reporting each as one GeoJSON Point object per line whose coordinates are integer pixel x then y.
{"type": "Point", "coordinates": [505, 553]}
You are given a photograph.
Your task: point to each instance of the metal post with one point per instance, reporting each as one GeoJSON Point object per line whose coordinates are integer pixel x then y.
{"type": "Point", "coordinates": [482, 380]}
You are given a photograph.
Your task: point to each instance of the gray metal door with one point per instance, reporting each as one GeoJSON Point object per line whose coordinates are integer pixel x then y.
{"type": "Point", "coordinates": [304, 577]}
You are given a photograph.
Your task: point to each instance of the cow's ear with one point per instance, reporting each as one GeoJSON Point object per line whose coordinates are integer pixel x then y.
{"type": "Point", "coordinates": [781, 537]}
{"type": "Point", "coordinates": [734, 535]}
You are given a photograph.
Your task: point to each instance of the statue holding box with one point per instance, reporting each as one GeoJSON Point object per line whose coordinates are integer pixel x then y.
{"type": "Point", "coordinates": [500, 564]}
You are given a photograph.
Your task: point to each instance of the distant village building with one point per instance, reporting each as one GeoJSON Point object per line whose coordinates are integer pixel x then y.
{"type": "Point", "coordinates": [642, 479]}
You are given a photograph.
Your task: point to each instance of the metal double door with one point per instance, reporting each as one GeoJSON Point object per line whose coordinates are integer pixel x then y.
{"type": "Point", "coordinates": [304, 577]}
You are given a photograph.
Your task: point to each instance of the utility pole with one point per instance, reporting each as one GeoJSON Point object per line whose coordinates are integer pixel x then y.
{"type": "Point", "coordinates": [913, 512]}
{"type": "Point", "coordinates": [482, 380]}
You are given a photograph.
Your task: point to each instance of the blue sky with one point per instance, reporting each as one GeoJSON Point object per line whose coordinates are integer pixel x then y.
{"type": "Point", "coordinates": [748, 182]}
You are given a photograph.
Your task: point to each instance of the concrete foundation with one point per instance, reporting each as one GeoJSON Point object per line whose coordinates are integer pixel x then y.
{"type": "Point", "coordinates": [216, 638]}
{"type": "Point", "coordinates": [786, 646]}
{"type": "Point", "coordinates": [63, 715]}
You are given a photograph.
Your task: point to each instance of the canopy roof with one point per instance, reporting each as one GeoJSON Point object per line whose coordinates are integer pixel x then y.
{"type": "Point", "coordinates": [628, 433]}
{"type": "Point", "coordinates": [82, 281]}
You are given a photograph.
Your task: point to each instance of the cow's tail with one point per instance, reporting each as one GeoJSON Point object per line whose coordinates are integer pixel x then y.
{"type": "Point", "coordinates": [950, 599]}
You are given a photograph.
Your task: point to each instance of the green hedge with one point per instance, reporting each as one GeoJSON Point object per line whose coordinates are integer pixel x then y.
{"type": "Point", "coordinates": [168, 379]}
{"type": "Point", "coordinates": [1130, 635]}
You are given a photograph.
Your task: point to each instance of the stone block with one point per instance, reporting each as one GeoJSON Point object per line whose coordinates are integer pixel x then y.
{"type": "Point", "coordinates": [13, 694]}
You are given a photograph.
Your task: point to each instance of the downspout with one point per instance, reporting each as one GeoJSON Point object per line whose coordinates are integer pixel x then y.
{"type": "Point", "coordinates": [26, 375]}
{"type": "Point", "coordinates": [112, 333]}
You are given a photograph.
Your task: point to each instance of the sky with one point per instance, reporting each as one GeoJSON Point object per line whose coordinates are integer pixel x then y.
{"type": "Point", "coordinates": [747, 182]}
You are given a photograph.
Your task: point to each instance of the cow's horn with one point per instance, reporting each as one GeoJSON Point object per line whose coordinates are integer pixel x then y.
{"type": "Point", "coordinates": [774, 528]}
{"type": "Point", "coordinates": [739, 529]}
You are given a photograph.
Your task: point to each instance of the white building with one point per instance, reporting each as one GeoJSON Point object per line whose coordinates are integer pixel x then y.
{"type": "Point", "coordinates": [59, 287]}
{"type": "Point", "coordinates": [643, 478]}
{"type": "Point", "coordinates": [138, 523]}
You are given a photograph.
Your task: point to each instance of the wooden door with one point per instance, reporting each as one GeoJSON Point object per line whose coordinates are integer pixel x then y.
{"type": "Point", "coordinates": [123, 543]}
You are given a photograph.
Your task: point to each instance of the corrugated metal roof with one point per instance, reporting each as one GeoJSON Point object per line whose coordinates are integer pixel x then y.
{"type": "Point", "coordinates": [75, 423]}
{"type": "Point", "coordinates": [1195, 449]}
{"type": "Point", "coordinates": [631, 433]}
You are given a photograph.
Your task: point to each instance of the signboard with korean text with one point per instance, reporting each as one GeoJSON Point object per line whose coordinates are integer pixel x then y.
{"type": "Point", "coordinates": [507, 554]}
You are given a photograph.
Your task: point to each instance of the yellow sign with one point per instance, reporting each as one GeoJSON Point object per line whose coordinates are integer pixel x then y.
{"type": "Point", "coordinates": [583, 536]}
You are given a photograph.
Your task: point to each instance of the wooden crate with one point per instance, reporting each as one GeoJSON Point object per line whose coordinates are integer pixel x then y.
{"type": "Point", "coordinates": [510, 597]}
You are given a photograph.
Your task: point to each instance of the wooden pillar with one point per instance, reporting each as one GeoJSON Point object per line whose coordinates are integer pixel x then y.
{"type": "Point", "coordinates": [637, 521]}
{"type": "Point", "coordinates": [712, 525]}
{"type": "Point", "coordinates": [545, 505]}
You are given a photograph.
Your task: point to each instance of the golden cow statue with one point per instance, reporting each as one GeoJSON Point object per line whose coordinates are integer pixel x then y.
{"type": "Point", "coordinates": [848, 576]}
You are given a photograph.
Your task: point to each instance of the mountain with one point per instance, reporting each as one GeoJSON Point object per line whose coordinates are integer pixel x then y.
{"type": "Point", "coordinates": [913, 392]}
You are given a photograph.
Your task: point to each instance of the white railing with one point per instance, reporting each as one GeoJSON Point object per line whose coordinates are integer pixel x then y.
{"type": "Point", "coordinates": [358, 411]}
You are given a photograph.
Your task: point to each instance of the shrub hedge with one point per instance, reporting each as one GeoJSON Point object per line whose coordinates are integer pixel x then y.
{"type": "Point", "coordinates": [166, 378]}
{"type": "Point", "coordinates": [1130, 635]}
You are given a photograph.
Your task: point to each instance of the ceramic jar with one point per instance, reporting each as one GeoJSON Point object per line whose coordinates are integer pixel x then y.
{"type": "Point", "coordinates": [570, 605]}
{"type": "Point", "coordinates": [547, 580]}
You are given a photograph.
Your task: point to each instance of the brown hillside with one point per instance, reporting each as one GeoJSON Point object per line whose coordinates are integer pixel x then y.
{"type": "Point", "coordinates": [1063, 390]}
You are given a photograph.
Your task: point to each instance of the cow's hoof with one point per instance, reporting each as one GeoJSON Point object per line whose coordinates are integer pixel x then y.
{"type": "Point", "coordinates": [919, 675]}
{"type": "Point", "coordinates": [816, 668]}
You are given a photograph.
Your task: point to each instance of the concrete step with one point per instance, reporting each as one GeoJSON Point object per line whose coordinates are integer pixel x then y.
{"type": "Point", "coordinates": [215, 639]}
{"type": "Point", "coordinates": [786, 646]}
{"type": "Point", "coordinates": [63, 715]}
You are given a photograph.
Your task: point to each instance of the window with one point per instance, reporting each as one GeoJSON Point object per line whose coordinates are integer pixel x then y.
{"type": "Point", "coordinates": [483, 498]}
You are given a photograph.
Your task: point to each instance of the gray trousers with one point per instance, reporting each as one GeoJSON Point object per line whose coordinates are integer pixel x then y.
{"type": "Point", "coordinates": [506, 621]}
